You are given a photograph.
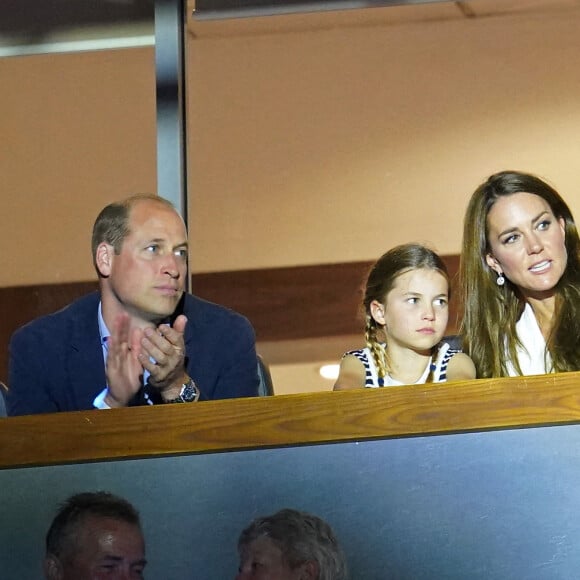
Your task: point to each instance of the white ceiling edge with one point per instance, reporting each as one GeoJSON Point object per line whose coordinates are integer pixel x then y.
{"type": "Point", "coordinates": [65, 46]}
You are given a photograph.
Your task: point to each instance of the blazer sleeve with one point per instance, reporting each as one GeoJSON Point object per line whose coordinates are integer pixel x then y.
{"type": "Point", "coordinates": [238, 375]}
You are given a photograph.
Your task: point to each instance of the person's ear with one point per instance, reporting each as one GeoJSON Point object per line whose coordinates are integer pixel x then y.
{"type": "Point", "coordinates": [104, 258]}
{"type": "Point", "coordinates": [378, 312]}
{"type": "Point", "coordinates": [52, 568]}
{"type": "Point", "coordinates": [562, 223]}
{"type": "Point", "coordinates": [309, 570]}
{"type": "Point", "coordinates": [493, 263]}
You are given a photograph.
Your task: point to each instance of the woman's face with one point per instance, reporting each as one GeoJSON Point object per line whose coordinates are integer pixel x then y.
{"type": "Point", "coordinates": [262, 559]}
{"type": "Point", "coordinates": [527, 243]}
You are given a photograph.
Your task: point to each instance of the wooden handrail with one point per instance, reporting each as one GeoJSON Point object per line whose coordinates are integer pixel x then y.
{"type": "Point", "coordinates": [290, 420]}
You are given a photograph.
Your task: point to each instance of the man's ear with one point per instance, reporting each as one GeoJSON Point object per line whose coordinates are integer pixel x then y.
{"type": "Point", "coordinates": [104, 258]}
{"type": "Point", "coordinates": [493, 263]}
{"type": "Point", "coordinates": [378, 312]}
{"type": "Point", "coordinates": [52, 568]}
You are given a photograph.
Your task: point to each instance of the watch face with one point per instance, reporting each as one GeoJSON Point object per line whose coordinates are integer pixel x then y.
{"type": "Point", "coordinates": [189, 392]}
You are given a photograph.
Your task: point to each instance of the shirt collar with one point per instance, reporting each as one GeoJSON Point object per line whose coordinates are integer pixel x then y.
{"type": "Point", "coordinates": [103, 330]}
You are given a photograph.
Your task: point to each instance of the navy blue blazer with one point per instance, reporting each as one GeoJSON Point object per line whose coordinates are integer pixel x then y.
{"type": "Point", "coordinates": [56, 361]}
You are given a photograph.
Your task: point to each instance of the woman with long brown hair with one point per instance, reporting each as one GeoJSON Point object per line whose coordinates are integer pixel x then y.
{"type": "Point", "coordinates": [520, 278]}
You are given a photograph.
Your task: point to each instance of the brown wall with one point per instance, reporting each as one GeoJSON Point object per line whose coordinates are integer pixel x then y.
{"type": "Point", "coordinates": [329, 138]}
{"type": "Point", "coordinates": [77, 131]}
{"type": "Point", "coordinates": [314, 139]}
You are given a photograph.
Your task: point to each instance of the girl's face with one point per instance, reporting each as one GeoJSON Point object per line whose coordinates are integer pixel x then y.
{"type": "Point", "coordinates": [416, 310]}
{"type": "Point", "coordinates": [527, 243]}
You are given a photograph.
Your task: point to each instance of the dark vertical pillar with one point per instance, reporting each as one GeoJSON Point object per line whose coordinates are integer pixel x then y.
{"type": "Point", "coordinates": [171, 110]}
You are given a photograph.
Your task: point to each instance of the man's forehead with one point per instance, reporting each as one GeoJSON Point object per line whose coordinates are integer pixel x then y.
{"type": "Point", "coordinates": [151, 206]}
{"type": "Point", "coordinates": [108, 530]}
{"type": "Point", "coordinates": [154, 215]}
{"type": "Point", "coordinates": [98, 521]}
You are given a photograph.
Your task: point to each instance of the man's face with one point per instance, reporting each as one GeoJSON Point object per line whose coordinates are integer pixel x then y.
{"type": "Point", "coordinates": [147, 278]}
{"type": "Point", "coordinates": [102, 548]}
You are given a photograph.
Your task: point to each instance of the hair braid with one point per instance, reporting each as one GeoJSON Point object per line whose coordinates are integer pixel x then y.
{"type": "Point", "coordinates": [377, 349]}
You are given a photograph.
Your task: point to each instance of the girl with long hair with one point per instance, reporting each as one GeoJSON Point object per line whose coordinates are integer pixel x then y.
{"type": "Point", "coordinates": [406, 305]}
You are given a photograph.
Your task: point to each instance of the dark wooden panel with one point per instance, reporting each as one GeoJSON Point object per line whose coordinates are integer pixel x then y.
{"type": "Point", "coordinates": [291, 303]}
{"type": "Point", "coordinates": [290, 420]}
{"type": "Point", "coordinates": [303, 301]}
{"type": "Point", "coordinates": [282, 303]}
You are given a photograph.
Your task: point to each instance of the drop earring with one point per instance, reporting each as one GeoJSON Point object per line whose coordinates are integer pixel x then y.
{"type": "Point", "coordinates": [500, 279]}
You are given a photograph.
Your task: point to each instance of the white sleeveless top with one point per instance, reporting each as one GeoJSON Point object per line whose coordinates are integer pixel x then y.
{"type": "Point", "coordinates": [533, 357]}
{"type": "Point", "coordinates": [372, 380]}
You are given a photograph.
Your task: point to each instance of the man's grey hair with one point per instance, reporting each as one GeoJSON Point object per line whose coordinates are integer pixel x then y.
{"type": "Point", "coordinates": [302, 537]}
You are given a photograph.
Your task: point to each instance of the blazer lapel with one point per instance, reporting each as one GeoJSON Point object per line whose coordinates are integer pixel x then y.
{"type": "Point", "coordinates": [86, 367]}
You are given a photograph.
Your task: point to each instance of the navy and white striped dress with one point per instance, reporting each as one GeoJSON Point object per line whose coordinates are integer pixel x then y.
{"type": "Point", "coordinates": [372, 380]}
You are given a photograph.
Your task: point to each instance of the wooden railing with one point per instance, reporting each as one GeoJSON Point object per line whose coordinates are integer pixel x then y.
{"type": "Point", "coordinates": [290, 420]}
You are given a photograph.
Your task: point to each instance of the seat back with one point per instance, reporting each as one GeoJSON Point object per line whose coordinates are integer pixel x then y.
{"type": "Point", "coordinates": [266, 387]}
{"type": "Point", "coordinates": [454, 341]}
{"type": "Point", "coordinates": [3, 391]}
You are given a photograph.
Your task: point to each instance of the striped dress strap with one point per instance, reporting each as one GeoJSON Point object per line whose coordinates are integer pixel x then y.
{"type": "Point", "coordinates": [371, 375]}
{"type": "Point", "coordinates": [442, 375]}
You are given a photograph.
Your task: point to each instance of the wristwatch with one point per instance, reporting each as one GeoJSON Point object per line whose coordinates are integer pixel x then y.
{"type": "Point", "coordinates": [189, 393]}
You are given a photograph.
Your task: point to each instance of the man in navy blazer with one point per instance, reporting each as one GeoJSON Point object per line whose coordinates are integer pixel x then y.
{"type": "Point", "coordinates": [139, 340]}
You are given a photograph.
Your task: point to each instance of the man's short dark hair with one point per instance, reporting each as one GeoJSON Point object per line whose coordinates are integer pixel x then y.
{"type": "Point", "coordinates": [77, 508]}
{"type": "Point", "coordinates": [112, 224]}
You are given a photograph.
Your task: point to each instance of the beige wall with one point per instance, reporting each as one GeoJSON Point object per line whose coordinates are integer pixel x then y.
{"type": "Point", "coordinates": [312, 139]}
{"type": "Point", "coordinates": [76, 131]}
{"type": "Point", "coordinates": [329, 144]}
